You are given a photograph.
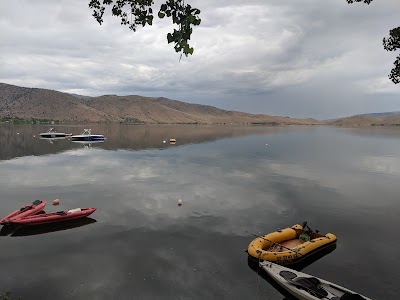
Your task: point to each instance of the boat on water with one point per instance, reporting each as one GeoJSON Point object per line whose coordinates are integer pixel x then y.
{"type": "Point", "coordinates": [306, 287]}
{"type": "Point", "coordinates": [52, 133]}
{"type": "Point", "coordinates": [54, 217]}
{"type": "Point", "coordinates": [88, 136]}
{"type": "Point", "coordinates": [289, 245]}
{"type": "Point", "coordinates": [25, 211]}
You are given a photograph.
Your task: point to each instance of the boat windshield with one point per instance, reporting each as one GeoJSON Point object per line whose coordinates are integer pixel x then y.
{"type": "Point", "coordinates": [87, 131]}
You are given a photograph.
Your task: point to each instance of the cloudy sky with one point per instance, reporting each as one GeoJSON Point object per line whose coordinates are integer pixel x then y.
{"type": "Point", "coordinates": [298, 58]}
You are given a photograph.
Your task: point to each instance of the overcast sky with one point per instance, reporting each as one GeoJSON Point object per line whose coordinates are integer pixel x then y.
{"type": "Point", "coordinates": [298, 58]}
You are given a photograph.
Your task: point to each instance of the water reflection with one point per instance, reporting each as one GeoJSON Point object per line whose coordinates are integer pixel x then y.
{"type": "Point", "coordinates": [230, 182]}
{"type": "Point", "coordinates": [18, 231]}
{"type": "Point", "coordinates": [87, 144]}
{"type": "Point", "coordinates": [22, 140]}
{"type": "Point", "coordinates": [52, 140]}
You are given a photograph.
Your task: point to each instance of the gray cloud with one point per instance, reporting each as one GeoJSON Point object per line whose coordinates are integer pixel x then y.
{"type": "Point", "coordinates": [297, 58]}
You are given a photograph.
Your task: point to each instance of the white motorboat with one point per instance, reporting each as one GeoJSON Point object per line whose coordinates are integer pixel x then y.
{"type": "Point", "coordinates": [88, 136]}
{"type": "Point", "coordinates": [52, 133]}
{"type": "Point", "coordinates": [307, 287]}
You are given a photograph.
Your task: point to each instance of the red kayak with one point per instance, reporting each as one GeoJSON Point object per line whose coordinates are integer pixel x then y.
{"type": "Point", "coordinates": [59, 216]}
{"type": "Point", "coordinates": [25, 211]}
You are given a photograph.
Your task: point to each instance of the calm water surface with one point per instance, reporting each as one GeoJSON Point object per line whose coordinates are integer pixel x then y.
{"type": "Point", "coordinates": [140, 245]}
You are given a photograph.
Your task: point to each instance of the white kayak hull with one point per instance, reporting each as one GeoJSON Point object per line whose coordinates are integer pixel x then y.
{"type": "Point", "coordinates": [307, 287]}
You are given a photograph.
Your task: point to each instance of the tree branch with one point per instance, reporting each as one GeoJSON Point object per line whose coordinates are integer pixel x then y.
{"type": "Point", "coordinates": [141, 13]}
{"type": "Point", "coordinates": [365, 1]}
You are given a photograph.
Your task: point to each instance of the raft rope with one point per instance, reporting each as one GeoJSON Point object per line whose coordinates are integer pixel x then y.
{"type": "Point", "coordinates": [259, 277]}
{"type": "Point", "coordinates": [274, 243]}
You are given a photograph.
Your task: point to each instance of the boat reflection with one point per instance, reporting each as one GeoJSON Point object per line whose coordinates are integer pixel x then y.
{"type": "Point", "coordinates": [7, 230]}
{"type": "Point", "coordinates": [87, 144]}
{"type": "Point", "coordinates": [52, 140]}
{"type": "Point", "coordinates": [253, 264]}
{"type": "Point", "coordinates": [18, 231]}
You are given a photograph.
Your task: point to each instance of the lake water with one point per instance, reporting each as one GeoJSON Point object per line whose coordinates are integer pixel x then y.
{"type": "Point", "coordinates": [140, 244]}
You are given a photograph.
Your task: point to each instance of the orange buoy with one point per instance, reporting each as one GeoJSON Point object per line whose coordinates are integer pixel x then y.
{"type": "Point", "coordinates": [180, 202]}
{"type": "Point", "coordinates": [56, 202]}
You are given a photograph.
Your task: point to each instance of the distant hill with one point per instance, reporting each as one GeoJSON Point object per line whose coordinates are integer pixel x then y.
{"type": "Point", "coordinates": [25, 102]}
{"type": "Point", "coordinates": [370, 119]}
{"type": "Point", "coordinates": [382, 114]}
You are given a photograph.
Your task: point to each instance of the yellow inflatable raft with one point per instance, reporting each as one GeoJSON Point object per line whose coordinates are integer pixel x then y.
{"type": "Point", "coordinates": [289, 245]}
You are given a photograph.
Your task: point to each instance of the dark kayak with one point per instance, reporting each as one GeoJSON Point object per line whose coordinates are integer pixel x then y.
{"type": "Point", "coordinates": [25, 211]}
{"type": "Point", "coordinates": [307, 287]}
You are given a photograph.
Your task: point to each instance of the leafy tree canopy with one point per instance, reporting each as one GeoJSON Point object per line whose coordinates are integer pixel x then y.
{"type": "Point", "coordinates": [140, 12]}
{"type": "Point", "coordinates": [392, 43]}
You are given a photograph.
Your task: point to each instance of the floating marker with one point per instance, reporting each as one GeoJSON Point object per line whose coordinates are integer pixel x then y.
{"type": "Point", "coordinates": [164, 142]}
{"type": "Point", "coordinates": [180, 202]}
{"type": "Point", "coordinates": [56, 202]}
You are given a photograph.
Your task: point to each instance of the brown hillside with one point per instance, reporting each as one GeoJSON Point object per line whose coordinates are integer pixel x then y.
{"type": "Point", "coordinates": [355, 121]}
{"type": "Point", "coordinates": [41, 103]}
{"type": "Point", "coordinates": [162, 110]}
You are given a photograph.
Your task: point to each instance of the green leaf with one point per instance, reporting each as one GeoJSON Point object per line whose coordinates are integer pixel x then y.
{"type": "Point", "coordinates": [170, 38]}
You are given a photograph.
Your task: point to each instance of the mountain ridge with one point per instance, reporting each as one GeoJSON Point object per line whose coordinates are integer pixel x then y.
{"type": "Point", "coordinates": [24, 102]}
{"type": "Point", "coordinates": [39, 103]}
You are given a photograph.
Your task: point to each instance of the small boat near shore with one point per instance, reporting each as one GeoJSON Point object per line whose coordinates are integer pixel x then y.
{"type": "Point", "coordinates": [54, 217]}
{"type": "Point", "coordinates": [306, 287]}
{"type": "Point", "coordinates": [289, 245]}
{"type": "Point", "coordinates": [52, 133]}
{"type": "Point", "coordinates": [88, 136]}
{"type": "Point", "coordinates": [25, 211]}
